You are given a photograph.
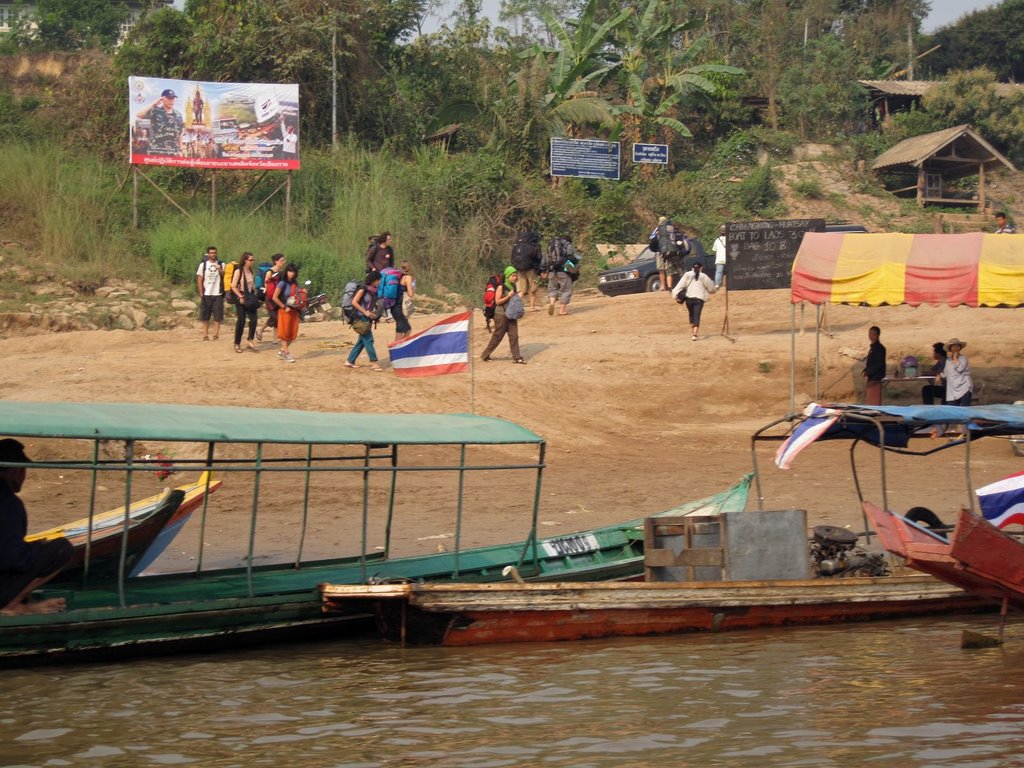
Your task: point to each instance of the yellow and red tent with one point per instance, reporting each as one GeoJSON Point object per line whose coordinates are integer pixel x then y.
{"type": "Point", "coordinates": [976, 270]}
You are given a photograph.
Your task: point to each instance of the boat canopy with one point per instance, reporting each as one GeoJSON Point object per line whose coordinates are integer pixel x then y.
{"type": "Point", "coordinates": [901, 422]}
{"type": "Point", "coordinates": [217, 424]}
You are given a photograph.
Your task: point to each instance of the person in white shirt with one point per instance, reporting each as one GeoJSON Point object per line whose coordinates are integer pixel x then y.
{"type": "Point", "coordinates": [694, 288]}
{"type": "Point", "coordinates": [719, 249]}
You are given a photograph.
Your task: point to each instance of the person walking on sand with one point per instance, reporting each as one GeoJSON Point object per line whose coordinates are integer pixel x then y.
{"type": "Point", "coordinates": [210, 283]}
{"type": "Point", "coordinates": [693, 290]}
{"type": "Point", "coordinates": [287, 315]}
{"type": "Point", "coordinates": [24, 565]}
{"type": "Point", "coordinates": [275, 273]}
{"type": "Point", "coordinates": [508, 308]}
{"type": "Point", "coordinates": [874, 368]}
{"type": "Point", "coordinates": [406, 288]}
{"type": "Point", "coordinates": [362, 304]}
{"type": "Point", "coordinates": [243, 285]}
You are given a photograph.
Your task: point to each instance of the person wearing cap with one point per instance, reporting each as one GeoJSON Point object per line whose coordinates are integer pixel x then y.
{"type": "Point", "coordinates": [504, 325]}
{"type": "Point", "coordinates": [167, 125]}
{"type": "Point", "coordinates": [695, 288]}
{"type": "Point", "coordinates": [24, 565]}
{"type": "Point", "coordinates": [719, 249]}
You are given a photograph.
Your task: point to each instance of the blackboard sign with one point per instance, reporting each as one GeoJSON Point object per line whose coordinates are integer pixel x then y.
{"type": "Point", "coordinates": [760, 253]}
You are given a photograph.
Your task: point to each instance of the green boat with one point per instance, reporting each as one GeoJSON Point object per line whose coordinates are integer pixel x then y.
{"type": "Point", "coordinates": [230, 607]}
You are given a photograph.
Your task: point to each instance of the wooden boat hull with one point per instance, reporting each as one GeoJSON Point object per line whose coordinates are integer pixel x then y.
{"type": "Point", "coordinates": [202, 610]}
{"type": "Point", "coordinates": [460, 615]}
{"type": "Point", "coordinates": [977, 557]}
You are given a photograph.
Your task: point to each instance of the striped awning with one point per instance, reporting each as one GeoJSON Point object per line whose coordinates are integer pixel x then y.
{"type": "Point", "coordinates": [976, 270]}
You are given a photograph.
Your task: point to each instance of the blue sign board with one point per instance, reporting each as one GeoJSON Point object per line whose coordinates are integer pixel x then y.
{"type": "Point", "coordinates": [585, 158]}
{"type": "Point", "coordinates": [650, 153]}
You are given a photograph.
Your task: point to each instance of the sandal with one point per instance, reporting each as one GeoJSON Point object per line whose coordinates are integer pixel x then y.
{"type": "Point", "coordinates": [259, 335]}
{"type": "Point", "coordinates": [206, 338]}
{"type": "Point", "coordinates": [350, 365]}
{"type": "Point", "coordinates": [520, 360]}
{"type": "Point", "coordinates": [253, 347]}
{"type": "Point", "coordinates": [376, 368]}
{"type": "Point", "coordinates": [216, 337]}
{"type": "Point", "coordinates": [238, 349]}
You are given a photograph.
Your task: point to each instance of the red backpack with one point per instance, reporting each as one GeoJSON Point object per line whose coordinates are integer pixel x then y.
{"type": "Point", "coordinates": [492, 285]}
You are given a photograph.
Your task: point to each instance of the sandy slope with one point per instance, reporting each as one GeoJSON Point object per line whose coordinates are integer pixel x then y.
{"type": "Point", "coordinates": [638, 417]}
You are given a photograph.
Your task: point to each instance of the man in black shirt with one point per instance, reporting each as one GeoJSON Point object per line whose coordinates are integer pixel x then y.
{"type": "Point", "coordinates": [24, 565]}
{"type": "Point", "coordinates": [874, 368]}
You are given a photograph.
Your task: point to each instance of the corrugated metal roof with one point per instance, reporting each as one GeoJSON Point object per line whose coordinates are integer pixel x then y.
{"type": "Point", "coordinates": [918, 149]}
{"type": "Point", "coordinates": [201, 423]}
{"type": "Point", "coordinates": [901, 87]}
{"type": "Point", "coordinates": [921, 87]}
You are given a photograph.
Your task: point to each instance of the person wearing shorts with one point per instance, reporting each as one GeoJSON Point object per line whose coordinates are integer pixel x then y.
{"type": "Point", "coordinates": [210, 282]}
{"type": "Point", "coordinates": [276, 272]}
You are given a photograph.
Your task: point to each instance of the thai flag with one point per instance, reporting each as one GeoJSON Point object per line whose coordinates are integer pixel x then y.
{"type": "Point", "coordinates": [1002, 502]}
{"type": "Point", "coordinates": [816, 423]}
{"type": "Point", "coordinates": [442, 348]}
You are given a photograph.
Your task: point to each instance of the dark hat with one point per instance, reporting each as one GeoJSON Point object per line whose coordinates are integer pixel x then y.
{"type": "Point", "coordinates": [12, 450]}
{"type": "Point", "coordinates": [169, 94]}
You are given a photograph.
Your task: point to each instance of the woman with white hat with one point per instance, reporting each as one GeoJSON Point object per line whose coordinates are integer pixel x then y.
{"type": "Point", "coordinates": [957, 374]}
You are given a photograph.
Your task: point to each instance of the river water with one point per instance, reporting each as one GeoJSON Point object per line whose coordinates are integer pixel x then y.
{"type": "Point", "coordinates": [893, 693]}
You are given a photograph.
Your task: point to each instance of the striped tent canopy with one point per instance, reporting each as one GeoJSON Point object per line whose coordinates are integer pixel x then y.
{"type": "Point", "coordinates": [976, 270]}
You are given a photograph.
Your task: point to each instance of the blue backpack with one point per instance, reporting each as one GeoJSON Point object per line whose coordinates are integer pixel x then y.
{"type": "Point", "coordinates": [387, 291]}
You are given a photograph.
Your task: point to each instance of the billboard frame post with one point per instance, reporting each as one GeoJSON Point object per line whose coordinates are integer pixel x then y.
{"type": "Point", "coordinates": [135, 197]}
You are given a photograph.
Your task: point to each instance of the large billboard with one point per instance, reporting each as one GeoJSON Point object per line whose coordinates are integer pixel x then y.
{"type": "Point", "coordinates": [192, 124]}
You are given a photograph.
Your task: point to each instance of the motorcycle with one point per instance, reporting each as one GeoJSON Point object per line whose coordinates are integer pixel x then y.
{"type": "Point", "coordinates": [316, 306]}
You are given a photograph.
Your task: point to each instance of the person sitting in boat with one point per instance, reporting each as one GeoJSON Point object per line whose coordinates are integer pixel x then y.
{"type": "Point", "coordinates": [24, 565]}
{"type": "Point", "coordinates": [924, 515]}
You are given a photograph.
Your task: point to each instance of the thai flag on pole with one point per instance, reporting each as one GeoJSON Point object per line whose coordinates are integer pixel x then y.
{"type": "Point", "coordinates": [442, 348]}
{"type": "Point", "coordinates": [816, 423]}
{"type": "Point", "coordinates": [1002, 502]}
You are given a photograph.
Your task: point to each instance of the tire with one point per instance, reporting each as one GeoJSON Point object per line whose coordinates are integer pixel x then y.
{"type": "Point", "coordinates": [653, 283]}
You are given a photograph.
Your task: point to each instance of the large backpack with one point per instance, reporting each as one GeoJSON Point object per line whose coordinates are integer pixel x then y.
{"type": "Point", "coordinates": [261, 277]}
{"type": "Point", "coordinates": [559, 249]}
{"type": "Point", "coordinates": [229, 274]}
{"type": "Point", "coordinates": [269, 287]}
{"type": "Point", "coordinates": [652, 242]}
{"type": "Point", "coordinates": [489, 290]}
{"type": "Point", "coordinates": [351, 289]}
{"type": "Point", "coordinates": [526, 251]}
{"type": "Point", "coordinates": [389, 288]}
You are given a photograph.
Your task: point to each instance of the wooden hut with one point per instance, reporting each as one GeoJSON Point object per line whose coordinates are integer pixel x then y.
{"type": "Point", "coordinates": [926, 164]}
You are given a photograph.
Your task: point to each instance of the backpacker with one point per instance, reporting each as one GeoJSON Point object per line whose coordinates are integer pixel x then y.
{"type": "Point", "coordinates": [652, 242]}
{"type": "Point", "coordinates": [526, 251]}
{"type": "Point", "coordinates": [554, 258]}
{"type": "Point", "coordinates": [351, 289]}
{"type": "Point", "coordinates": [261, 277]}
{"type": "Point", "coordinates": [489, 290]}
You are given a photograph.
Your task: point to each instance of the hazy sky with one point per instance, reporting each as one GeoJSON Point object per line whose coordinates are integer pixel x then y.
{"type": "Point", "coordinates": [943, 12]}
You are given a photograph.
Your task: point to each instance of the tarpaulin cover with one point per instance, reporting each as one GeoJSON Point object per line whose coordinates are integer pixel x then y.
{"type": "Point", "coordinates": [976, 270]}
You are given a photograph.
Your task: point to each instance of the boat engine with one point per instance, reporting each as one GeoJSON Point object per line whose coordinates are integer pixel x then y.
{"type": "Point", "coordinates": [834, 552]}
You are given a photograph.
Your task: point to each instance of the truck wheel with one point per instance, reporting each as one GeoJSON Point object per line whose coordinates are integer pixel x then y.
{"type": "Point", "coordinates": [653, 283]}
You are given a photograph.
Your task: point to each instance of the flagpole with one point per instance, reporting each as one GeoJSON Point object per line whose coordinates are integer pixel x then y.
{"type": "Point", "coordinates": [472, 365]}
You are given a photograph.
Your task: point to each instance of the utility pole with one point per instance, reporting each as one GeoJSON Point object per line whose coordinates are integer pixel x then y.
{"type": "Point", "coordinates": [334, 87]}
{"type": "Point", "coordinates": [910, 48]}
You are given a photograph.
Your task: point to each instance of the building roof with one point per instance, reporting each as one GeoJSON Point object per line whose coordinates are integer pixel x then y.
{"type": "Point", "coordinates": [921, 87]}
{"type": "Point", "coordinates": [972, 151]}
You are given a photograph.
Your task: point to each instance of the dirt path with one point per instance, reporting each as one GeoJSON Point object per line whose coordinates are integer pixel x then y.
{"type": "Point", "coordinates": [638, 418]}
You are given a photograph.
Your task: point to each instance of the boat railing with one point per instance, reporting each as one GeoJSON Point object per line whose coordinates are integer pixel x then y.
{"type": "Point", "coordinates": [367, 460]}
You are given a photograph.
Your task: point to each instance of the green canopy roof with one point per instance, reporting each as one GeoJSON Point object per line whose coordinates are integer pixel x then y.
{"type": "Point", "coordinates": [201, 423]}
